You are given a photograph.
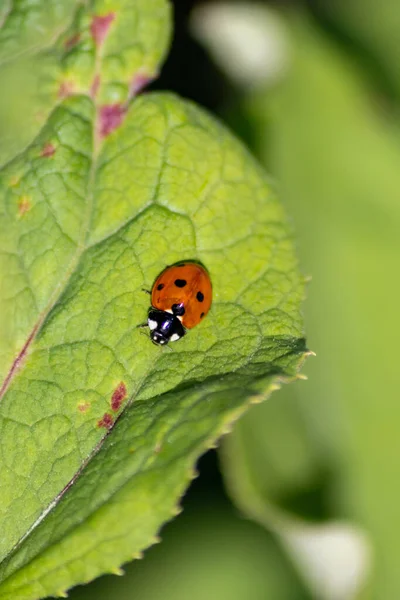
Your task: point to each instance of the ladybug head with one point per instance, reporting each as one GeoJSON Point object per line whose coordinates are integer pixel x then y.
{"type": "Point", "coordinates": [158, 338]}
{"type": "Point", "coordinates": [164, 327]}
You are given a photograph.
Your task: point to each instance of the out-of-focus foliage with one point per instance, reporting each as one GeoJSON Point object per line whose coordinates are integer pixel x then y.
{"type": "Point", "coordinates": [371, 27]}
{"type": "Point", "coordinates": [336, 156]}
{"type": "Point", "coordinates": [206, 553]}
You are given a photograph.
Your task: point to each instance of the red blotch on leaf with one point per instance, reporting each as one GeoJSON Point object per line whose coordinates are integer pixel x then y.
{"type": "Point", "coordinates": [24, 204]}
{"type": "Point", "coordinates": [118, 396]}
{"type": "Point", "coordinates": [48, 150]}
{"type": "Point", "coordinates": [106, 421]}
{"type": "Point", "coordinates": [83, 406]}
{"type": "Point", "coordinates": [100, 26]}
{"type": "Point", "coordinates": [66, 89]}
{"type": "Point", "coordinates": [94, 88]}
{"type": "Point", "coordinates": [72, 41]}
{"type": "Point", "coordinates": [110, 117]}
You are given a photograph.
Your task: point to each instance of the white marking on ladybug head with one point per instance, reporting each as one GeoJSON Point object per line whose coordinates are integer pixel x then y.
{"type": "Point", "coordinates": [152, 324]}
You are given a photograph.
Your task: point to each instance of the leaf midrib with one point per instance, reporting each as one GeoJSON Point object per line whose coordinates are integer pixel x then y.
{"type": "Point", "coordinates": [58, 291]}
{"type": "Point", "coordinates": [81, 244]}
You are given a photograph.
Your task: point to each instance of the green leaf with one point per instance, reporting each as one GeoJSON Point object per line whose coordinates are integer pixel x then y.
{"type": "Point", "coordinates": [99, 429]}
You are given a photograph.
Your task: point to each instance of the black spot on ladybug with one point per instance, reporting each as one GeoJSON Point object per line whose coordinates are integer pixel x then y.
{"type": "Point", "coordinates": [202, 315]}
{"type": "Point", "coordinates": [180, 283]}
{"type": "Point", "coordinates": [200, 296]}
{"type": "Point", "coordinates": [160, 286]}
{"type": "Point", "coordinates": [178, 309]}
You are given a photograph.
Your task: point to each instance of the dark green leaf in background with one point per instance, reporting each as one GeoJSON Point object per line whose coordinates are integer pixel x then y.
{"type": "Point", "coordinates": [337, 155]}
{"type": "Point", "coordinates": [207, 553]}
{"type": "Point", "coordinates": [371, 29]}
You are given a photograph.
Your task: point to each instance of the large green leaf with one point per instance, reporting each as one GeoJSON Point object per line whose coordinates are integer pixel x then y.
{"type": "Point", "coordinates": [99, 429]}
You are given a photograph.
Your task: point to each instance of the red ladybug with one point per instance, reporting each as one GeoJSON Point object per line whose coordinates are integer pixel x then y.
{"type": "Point", "coordinates": [181, 297]}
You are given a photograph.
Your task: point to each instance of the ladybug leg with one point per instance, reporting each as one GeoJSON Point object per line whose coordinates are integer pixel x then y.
{"type": "Point", "coordinates": [146, 291]}
{"type": "Point", "coordinates": [142, 325]}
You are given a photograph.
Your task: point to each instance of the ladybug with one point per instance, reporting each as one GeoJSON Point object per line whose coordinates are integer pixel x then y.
{"type": "Point", "coordinates": [180, 298]}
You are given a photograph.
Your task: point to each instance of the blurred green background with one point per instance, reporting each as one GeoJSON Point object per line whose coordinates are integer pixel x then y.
{"type": "Point", "coordinates": [303, 499]}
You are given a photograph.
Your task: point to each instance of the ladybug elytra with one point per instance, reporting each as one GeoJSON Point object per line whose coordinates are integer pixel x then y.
{"type": "Point", "coordinates": [180, 298]}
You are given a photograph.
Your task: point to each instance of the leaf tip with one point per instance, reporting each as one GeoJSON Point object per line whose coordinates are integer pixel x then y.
{"type": "Point", "coordinates": [301, 377]}
{"type": "Point", "coordinates": [212, 446]}
{"type": "Point", "coordinates": [274, 388]}
{"type": "Point", "coordinates": [176, 511]}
